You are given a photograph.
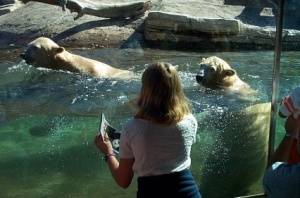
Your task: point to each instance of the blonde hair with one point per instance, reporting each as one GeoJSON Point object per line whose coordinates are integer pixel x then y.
{"type": "Point", "coordinates": [162, 99]}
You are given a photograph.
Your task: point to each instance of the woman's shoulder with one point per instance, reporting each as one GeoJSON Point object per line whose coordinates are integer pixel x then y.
{"type": "Point", "coordinates": [135, 122]}
{"type": "Point", "coordinates": [189, 117]}
{"type": "Point", "coordinates": [190, 120]}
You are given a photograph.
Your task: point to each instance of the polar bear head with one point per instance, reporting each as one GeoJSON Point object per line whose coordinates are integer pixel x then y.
{"type": "Point", "coordinates": [41, 52]}
{"type": "Point", "coordinates": [216, 73]}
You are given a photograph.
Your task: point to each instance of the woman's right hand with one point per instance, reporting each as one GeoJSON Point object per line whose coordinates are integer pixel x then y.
{"type": "Point", "coordinates": [104, 145]}
{"type": "Point", "coordinates": [292, 125]}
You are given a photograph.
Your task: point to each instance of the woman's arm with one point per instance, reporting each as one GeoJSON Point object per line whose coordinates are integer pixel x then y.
{"type": "Point", "coordinates": [122, 172]}
{"type": "Point", "coordinates": [282, 153]}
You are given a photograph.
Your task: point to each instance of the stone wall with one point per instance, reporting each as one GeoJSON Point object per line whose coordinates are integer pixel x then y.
{"type": "Point", "coordinates": [179, 31]}
{"type": "Point", "coordinates": [216, 27]}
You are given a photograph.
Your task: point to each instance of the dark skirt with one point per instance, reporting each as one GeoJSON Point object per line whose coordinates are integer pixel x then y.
{"type": "Point", "coordinates": [175, 185]}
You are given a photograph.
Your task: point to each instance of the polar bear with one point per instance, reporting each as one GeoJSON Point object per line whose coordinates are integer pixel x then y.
{"type": "Point", "coordinates": [235, 121]}
{"type": "Point", "coordinates": [235, 151]}
{"type": "Point", "coordinates": [43, 52]}
{"type": "Point", "coordinates": [215, 73]}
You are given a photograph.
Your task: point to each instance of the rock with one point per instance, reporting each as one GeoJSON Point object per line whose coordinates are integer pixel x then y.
{"type": "Point", "coordinates": [38, 19]}
{"type": "Point", "coordinates": [100, 9]}
{"type": "Point", "coordinates": [188, 32]}
{"type": "Point", "coordinates": [235, 27]}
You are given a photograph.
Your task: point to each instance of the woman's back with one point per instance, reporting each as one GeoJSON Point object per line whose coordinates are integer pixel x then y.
{"type": "Point", "coordinates": [157, 143]}
{"type": "Point", "coordinates": [157, 148]}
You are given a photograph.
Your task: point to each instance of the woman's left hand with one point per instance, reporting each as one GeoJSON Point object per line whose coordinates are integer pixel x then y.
{"type": "Point", "coordinates": [103, 145]}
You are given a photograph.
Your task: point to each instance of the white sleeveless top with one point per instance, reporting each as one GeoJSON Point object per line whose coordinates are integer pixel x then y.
{"type": "Point", "coordinates": [158, 149]}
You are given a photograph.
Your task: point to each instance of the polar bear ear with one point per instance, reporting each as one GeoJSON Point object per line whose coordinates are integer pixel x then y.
{"type": "Point", "coordinates": [60, 50]}
{"type": "Point", "coordinates": [230, 72]}
{"type": "Point", "coordinates": [203, 59]}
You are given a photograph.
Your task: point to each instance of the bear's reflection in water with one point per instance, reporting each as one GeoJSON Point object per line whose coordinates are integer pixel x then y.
{"type": "Point", "coordinates": [50, 92]}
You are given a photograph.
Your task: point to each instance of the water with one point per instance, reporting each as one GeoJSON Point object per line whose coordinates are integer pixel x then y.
{"type": "Point", "coordinates": [49, 118]}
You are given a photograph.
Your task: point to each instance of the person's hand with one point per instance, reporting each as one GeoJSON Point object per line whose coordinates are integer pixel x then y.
{"type": "Point", "coordinates": [103, 145]}
{"type": "Point", "coordinates": [292, 125]}
{"type": "Point", "coordinates": [283, 100]}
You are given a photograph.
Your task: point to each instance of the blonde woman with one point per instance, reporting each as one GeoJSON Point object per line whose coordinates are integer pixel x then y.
{"type": "Point", "coordinates": [156, 144]}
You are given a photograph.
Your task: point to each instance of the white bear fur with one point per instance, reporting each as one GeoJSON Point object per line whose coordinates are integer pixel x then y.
{"type": "Point", "coordinates": [43, 52]}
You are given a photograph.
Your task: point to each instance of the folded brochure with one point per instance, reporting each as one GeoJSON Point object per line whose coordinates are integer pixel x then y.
{"type": "Point", "coordinates": [113, 134]}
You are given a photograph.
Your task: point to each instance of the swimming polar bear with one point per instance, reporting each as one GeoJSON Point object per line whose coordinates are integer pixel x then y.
{"type": "Point", "coordinates": [215, 73]}
{"type": "Point", "coordinates": [43, 52]}
{"type": "Point", "coordinates": [235, 151]}
{"type": "Point", "coordinates": [236, 130]}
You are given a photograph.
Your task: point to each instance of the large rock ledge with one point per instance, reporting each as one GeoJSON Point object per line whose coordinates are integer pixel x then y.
{"type": "Point", "coordinates": [183, 31]}
{"type": "Point", "coordinates": [193, 25]}
{"type": "Point", "coordinates": [35, 19]}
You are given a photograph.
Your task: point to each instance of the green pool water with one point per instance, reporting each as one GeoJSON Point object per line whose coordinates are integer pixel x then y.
{"type": "Point", "coordinates": [49, 118]}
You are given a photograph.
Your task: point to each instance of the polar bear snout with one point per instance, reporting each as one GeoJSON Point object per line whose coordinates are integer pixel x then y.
{"type": "Point", "coordinates": [199, 78]}
{"type": "Point", "coordinates": [28, 59]}
{"type": "Point", "coordinates": [29, 55]}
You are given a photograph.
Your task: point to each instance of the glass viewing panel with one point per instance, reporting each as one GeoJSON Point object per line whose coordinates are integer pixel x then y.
{"type": "Point", "coordinates": [49, 118]}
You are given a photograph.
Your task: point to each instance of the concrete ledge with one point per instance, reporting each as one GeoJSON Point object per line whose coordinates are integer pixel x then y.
{"type": "Point", "coordinates": [184, 26]}
{"type": "Point", "coordinates": [184, 31]}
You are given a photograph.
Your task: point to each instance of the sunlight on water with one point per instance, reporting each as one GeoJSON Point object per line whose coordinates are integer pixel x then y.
{"type": "Point", "coordinates": [49, 119]}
